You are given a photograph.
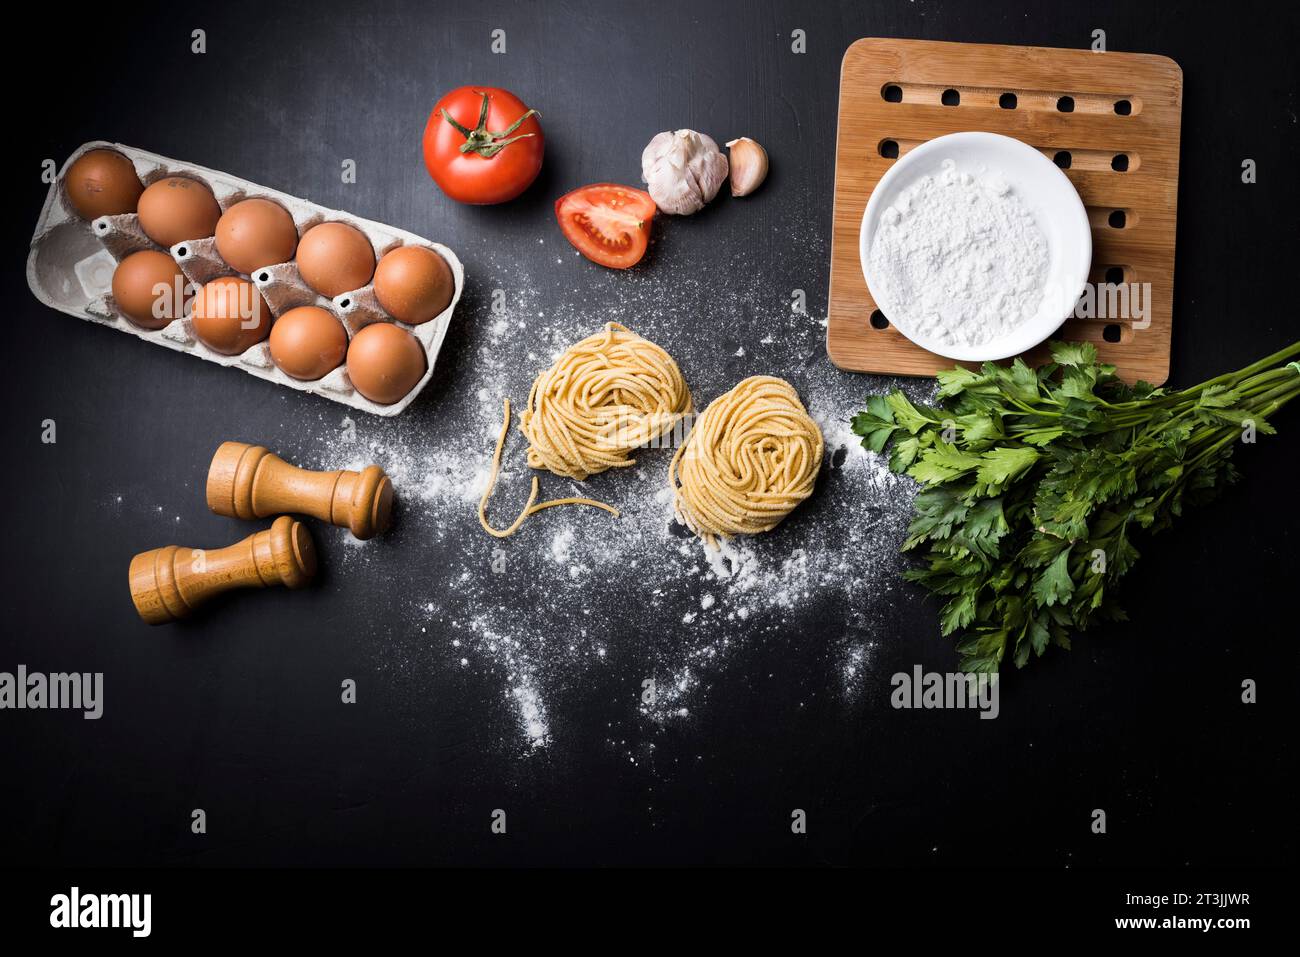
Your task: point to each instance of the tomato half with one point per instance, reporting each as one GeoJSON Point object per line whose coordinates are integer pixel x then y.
{"type": "Point", "coordinates": [482, 145]}
{"type": "Point", "coordinates": [607, 223]}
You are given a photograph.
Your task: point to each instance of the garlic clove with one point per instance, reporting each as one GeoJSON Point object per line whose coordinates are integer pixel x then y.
{"type": "Point", "coordinates": [748, 165]}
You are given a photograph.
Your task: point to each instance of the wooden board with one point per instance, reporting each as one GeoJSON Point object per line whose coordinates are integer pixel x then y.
{"type": "Point", "coordinates": [892, 96]}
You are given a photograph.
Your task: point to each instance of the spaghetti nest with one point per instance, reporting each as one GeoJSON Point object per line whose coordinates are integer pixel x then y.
{"type": "Point", "coordinates": [606, 396]}
{"type": "Point", "coordinates": [753, 455]}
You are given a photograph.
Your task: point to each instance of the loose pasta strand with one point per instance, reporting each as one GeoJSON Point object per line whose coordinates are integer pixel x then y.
{"type": "Point", "coordinates": [531, 508]}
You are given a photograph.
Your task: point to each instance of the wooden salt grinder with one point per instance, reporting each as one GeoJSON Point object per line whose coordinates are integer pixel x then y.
{"type": "Point", "coordinates": [170, 582]}
{"type": "Point", "coordinates": [247, 481]}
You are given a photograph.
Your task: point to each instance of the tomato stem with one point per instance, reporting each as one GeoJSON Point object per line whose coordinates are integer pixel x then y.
{"type": "Point", "coordinates": [483, 141]}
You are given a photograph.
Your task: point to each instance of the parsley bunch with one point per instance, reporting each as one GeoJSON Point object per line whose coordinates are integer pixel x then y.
{"type": "Point", "coordinates": [1035, 480]}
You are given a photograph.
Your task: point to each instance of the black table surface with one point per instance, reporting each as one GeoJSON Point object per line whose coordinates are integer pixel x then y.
{"type": "Point", "coordinates": [239, 712]}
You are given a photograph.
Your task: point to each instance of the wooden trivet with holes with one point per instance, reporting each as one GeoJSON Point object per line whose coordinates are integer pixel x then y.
{"type": "Point", "coordinates": [1110, 120]}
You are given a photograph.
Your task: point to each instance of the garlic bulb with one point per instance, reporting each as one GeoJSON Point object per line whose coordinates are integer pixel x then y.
{"type": "Point", "coordinates": [683, 171]}
{"type": "Point", "coordinates": [748, 166]}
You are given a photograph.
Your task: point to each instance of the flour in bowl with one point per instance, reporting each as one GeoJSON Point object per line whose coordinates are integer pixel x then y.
{"type": "Point", "coordinates": [959, 259]}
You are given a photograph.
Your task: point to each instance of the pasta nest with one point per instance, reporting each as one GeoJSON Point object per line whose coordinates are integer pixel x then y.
{"type": "Point", "coordinates": [751, 458]}
{"type": "Point", "coordinates": [605, 397]}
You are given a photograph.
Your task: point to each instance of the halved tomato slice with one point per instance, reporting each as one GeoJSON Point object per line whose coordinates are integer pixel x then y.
{"type": "Point", "coordinates": [607, 223]}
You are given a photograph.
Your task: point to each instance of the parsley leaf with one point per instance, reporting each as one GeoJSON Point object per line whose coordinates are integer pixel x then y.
{"type": "Point", "coordinates": [1035, 480]}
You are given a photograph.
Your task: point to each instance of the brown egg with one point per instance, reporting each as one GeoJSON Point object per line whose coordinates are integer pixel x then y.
{"type": "Point", "coordinates": [413, 284]}
{"type": "Point", "coordinates": [149, 289]}
{"type": "Point", "coordinates": [230, 315]}
{"type": "Point", "coordinates": [307, 342]}
{"type": "Point", "coordinates": [334, 258]}
{"type": "Point", "coordinates": [256, 233]}
{"type": "Point", "coordinates": [102, 183]}
{"type": "Point", "coordinates": [178, 208]}
{"type": "Point", "coordinates": [385, 362]}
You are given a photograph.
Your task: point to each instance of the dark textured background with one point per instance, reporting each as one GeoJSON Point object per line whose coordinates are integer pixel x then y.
{"type": "Point", "coordinates": [238, 712]}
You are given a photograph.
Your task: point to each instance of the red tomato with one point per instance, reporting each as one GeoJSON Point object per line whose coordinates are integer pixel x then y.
{"type": "Point", "coordinates": [607, 223]}
{"type": "Point", "coordinates": [482, 145]}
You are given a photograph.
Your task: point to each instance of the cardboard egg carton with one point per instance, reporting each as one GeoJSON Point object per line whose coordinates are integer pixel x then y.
{"type": "Point", "coordinates": [72, 261]}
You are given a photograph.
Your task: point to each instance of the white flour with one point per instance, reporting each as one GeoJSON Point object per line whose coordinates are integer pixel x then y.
{"type": "Point", "coordinates": [541, 645]}
{"type": "Point", "coordinates": [959, 258]}
{"type": "Point", "coordinates": [537, 633]}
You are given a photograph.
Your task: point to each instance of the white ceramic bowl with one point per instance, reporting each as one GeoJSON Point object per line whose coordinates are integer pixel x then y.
{"type": "Point", "coordinates": [1041, 186]}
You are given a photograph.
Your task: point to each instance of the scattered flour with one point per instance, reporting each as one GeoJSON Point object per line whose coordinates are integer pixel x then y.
{"type": "Point", "coordinates": [532, 714]}
{"type": "Point", "coordinates": [561, 546]}
{"type": "Point", "coordinates": [580, 604]}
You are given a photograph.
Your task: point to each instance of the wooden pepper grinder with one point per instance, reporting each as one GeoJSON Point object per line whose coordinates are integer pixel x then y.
{"type": "Point", "coordinates": [170, 582]}
{"type": "Point", "coordinates": [247, 481]}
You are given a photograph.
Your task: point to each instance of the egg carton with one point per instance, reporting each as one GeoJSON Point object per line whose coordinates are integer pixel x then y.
{"type": "Point", "coordinates": [71, 264]}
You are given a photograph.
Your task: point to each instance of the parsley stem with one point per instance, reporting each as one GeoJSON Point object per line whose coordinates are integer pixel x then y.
{"type": "Point", "coordinates": [1277, 358]}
